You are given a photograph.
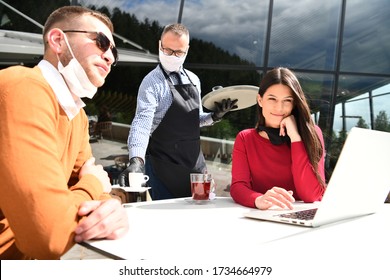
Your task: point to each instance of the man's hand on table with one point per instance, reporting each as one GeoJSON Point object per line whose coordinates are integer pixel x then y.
{"type": "Point", "coordinates": [104, 219]}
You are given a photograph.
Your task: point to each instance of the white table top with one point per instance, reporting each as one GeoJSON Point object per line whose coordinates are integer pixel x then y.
{"type": "Point", "coordinates": [178, 229]}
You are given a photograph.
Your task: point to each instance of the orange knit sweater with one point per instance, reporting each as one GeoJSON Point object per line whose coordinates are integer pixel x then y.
{"type": "Point", "coordinates": [42, 152]}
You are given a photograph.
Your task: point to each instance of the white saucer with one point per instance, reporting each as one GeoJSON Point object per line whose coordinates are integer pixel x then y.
{"type": "Point", "coordinates": [132, 189]}
{"type": "Point", "coordinates": [246, 95]}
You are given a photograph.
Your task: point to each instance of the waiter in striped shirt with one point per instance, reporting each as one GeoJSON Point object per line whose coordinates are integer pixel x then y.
{"type": "Point", "coordinates": [164, 138]}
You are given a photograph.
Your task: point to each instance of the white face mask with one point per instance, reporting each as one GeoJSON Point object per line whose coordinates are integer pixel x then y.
{"type": "Point", "coordinates": [171, 63]}
{"type": "Point", "coordinates": [75, 77]}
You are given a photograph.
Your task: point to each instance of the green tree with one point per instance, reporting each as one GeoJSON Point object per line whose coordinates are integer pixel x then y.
{"type": "Point", "coordinates": [362, 123]}
{"type": "Point", "coordinates": [382, 122]}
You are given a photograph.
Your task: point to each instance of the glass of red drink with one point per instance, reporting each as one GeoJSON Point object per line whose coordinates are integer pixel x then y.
{"type": "Point", "coordinates": [200, 185]}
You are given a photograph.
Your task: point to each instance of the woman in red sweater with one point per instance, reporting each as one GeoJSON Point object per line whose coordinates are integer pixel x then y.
{"type": "Point", "coordinates": [282, 159]}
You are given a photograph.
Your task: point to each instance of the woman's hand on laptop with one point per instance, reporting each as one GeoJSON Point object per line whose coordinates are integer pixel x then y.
{"type": "Point", "coordinates": [275, 197]}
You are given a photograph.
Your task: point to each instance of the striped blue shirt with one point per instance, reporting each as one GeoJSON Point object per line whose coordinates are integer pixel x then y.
{"type": "Point", "coordinates": [153, 101]}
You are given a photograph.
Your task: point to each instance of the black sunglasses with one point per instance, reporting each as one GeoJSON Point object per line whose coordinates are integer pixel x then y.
{"type": "Point", "coordinates": [102, 42]}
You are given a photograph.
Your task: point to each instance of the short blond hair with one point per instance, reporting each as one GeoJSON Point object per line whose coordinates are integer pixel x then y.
{"type": "Point", "coordinates": [176, 28]}
{"type": "Point", "coordinates": [68, 14]}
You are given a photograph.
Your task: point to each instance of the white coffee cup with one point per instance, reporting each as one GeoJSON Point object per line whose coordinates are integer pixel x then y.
{"type": "Point", "coordinates": [136, 180]}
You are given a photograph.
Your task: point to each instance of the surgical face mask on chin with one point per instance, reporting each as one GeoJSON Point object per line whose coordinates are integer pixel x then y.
{"type": "Point", "coordinates": [76, 78]}
{"type": "Point", "coordinates": [171, 63]}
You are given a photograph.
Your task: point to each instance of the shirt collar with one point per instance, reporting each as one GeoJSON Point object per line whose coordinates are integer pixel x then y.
{"type": "Point", "coordinates": [69, 102]}
{"type": "Point", "coordinates": [180, 72]}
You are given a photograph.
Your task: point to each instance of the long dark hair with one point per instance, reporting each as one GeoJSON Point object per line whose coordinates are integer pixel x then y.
{"type": "Point", "coordinates": [301, 112]}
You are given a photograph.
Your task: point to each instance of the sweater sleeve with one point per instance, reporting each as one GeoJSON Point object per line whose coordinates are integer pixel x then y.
{"type": "Point", "coordinates": [307, 186]}
{"type": "Point", "coordinates": [241, 187]}
{"type": "Point", "coordinates": [35, 197]}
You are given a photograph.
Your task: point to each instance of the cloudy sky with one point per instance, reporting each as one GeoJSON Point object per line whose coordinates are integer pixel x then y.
{"type": "Point", "coordinates": [205, 18]}
{"type": "Point", "coordinates": [237, 26]}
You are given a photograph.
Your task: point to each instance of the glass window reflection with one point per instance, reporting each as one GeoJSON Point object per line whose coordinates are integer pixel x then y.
{"type": "Point", "coordinates": [318, 91]}
{"type": "Point", "coordinates": [237, 27]}
{"type": "Point", "coordinates": [360, 101]}
{"type": "Point", "coordinates": [366, 42]}
{"type": "Point", "coordinates": [304, 34]}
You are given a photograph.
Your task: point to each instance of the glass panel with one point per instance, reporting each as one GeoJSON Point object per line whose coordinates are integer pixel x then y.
{"type": "Point", "coordinates": [353, 102]}
{"type": "Point", "coordinates": [354, 108]}
{"type": "Point", "coordinates": [366, 43]}
{"type": "Point", "coordinates": [318, 91]}
{"type": "Point", "coordinates": [353, 112]}
{"type": "Point", "coordinates": [237, 27]}
{"type": "Point", "coordinates": [304, 34]}
{"type": "Point", "coordinates": [381, 105]}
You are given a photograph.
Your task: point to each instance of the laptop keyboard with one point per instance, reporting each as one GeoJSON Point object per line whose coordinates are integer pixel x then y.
{"type": "Point", "coordinates": [301, 215]}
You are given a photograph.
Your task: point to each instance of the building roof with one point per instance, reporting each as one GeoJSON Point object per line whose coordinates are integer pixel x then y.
{"type": "Point", "coordinates": [25, 48]}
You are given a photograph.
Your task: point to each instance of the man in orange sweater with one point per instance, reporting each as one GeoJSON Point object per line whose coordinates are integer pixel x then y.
{"type": "Point", "coordinates": [52, 194]}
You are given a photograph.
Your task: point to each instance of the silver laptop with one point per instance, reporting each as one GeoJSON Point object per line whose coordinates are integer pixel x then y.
{"type": "Point", "coordinates": [358, 186]}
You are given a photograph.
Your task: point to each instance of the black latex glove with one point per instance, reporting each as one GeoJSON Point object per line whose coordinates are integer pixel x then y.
{"type": "Point", "coordinates": [221, 108]}
{"type": "Point", "coordinates": [136, 166]}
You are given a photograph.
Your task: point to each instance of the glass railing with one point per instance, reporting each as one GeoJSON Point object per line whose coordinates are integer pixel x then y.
{"type": "Point", "coordinates": [218, 155]}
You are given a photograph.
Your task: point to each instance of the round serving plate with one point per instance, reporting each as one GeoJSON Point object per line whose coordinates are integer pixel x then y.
{"type": "Point", "coordinates": [246, 95]}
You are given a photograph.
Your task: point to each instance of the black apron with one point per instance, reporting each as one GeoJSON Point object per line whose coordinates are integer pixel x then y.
{"type": "Point", "coordinates": [174, 146]}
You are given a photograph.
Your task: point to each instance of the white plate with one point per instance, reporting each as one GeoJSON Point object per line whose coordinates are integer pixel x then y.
{"type": "Point", "coordinates": [246, 95]}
